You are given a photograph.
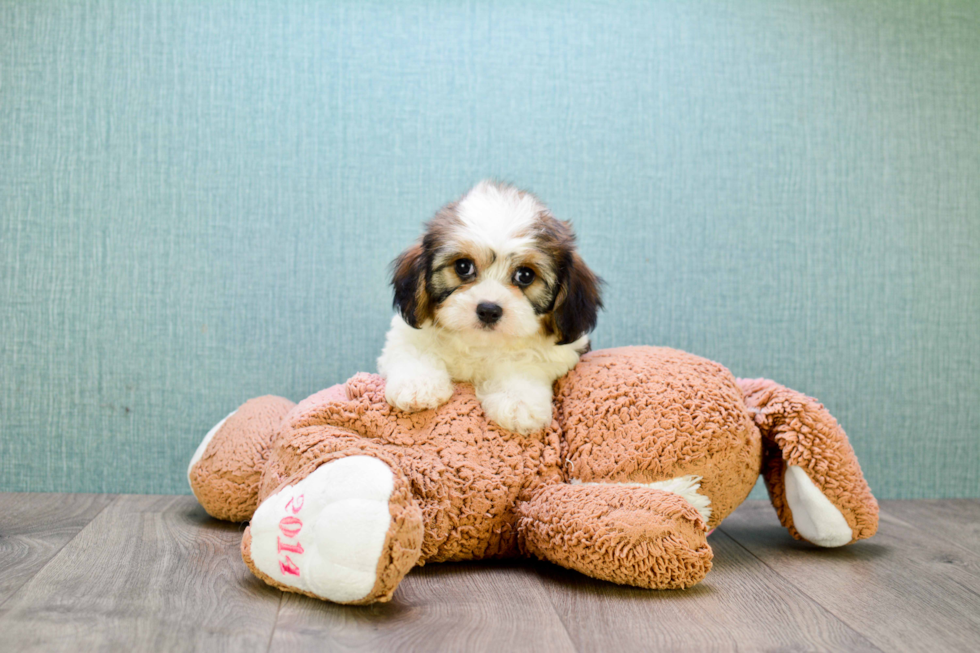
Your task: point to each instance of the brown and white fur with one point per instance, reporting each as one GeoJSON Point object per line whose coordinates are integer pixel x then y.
{"type": "Point", "coordinates": [494, 293]}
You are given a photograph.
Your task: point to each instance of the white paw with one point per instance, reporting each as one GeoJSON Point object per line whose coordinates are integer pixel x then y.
{"type": "Point", "coordinates": [325, 534]}
{"type": "Point", "coordinates": [521, 408]}
{"type": "Point", "coordinates": [418, 392]}
{"type": "Point", "coordinates": [814, 516]}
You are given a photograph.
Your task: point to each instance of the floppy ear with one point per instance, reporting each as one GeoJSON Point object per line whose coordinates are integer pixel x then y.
{"type": "Point", "coordinates": [578, 302]}
{"type": "Point", "coordinates": [408, 281]}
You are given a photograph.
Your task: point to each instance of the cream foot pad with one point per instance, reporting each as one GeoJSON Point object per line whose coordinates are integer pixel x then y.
{"type": "Point", "coordinates": [814, 516]}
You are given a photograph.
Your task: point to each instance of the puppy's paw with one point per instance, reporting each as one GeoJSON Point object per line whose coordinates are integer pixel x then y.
{"type": "Point", "coordinates": [523, 408]}
{"type": "Point", "coordinates": [420, 392]}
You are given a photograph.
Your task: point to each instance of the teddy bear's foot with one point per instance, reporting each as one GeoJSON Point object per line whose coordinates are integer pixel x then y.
{"type": "Point", "coordinates": [332, 535]}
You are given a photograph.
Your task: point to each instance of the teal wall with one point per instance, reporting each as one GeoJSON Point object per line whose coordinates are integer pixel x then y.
{"type": "Point", "coordinates": [199, 200]}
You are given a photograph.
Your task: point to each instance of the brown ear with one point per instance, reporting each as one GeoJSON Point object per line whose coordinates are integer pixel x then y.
{"type": "Point", "coordinates": [408, 281]}
{"type": "Point", "coordinates": [578, 301]}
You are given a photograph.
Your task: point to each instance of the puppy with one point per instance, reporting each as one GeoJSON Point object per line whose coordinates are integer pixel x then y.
{"type": "Point", "coordinates": [494, 293]}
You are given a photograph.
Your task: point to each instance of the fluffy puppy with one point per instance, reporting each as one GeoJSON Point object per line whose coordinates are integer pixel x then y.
{"type": "Point", "coordinates": [494, 293]}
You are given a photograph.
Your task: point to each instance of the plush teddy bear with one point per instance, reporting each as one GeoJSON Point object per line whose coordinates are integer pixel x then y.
{"type": "Point", "coordinates": [649, 449]}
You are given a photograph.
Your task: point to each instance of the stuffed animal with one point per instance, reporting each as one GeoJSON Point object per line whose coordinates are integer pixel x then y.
{"type": "Point", "coordinates": [649, 450]}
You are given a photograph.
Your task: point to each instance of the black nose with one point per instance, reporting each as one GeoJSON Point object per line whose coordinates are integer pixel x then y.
{"type": "Point", "coordinates": [489, 312]}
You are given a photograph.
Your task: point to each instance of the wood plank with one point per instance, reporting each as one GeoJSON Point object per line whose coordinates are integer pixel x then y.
{"type": "Point", "coordinates": [954, 520]}
{"type": "Point", "coordinates": [149, 573]}
{"type": "Point", "coordinates": [34, 527]}
{"type": "Point", "coordinates": [441, 607]}
{"type": "Point", "coordinates": [906, 589]}
{"type": "Point", "coordinates": [740, 605]}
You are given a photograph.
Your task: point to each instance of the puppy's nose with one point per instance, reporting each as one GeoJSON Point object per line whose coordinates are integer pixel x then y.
{"type": "Point", "coordinates": [489, 313]}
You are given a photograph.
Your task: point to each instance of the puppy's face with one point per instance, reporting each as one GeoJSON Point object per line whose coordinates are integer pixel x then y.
{"type": "Point", "coordinates": [497, 264]}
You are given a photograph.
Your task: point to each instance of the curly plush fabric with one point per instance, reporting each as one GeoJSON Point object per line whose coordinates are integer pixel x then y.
{"type": "Point", "coordinates": [663, 413]}
{"type": "Point", "coordinates": [648, 538]}
{"type": "Point", "coordinates": [648, 450]}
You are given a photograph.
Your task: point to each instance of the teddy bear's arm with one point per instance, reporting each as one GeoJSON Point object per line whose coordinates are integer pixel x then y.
{"type": "Point", "coordinates": [629, 535]}
{"type": "Point", "coordinates": [810, 469]}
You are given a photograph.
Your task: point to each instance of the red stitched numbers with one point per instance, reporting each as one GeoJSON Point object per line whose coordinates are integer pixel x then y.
{"type": "Point", "coordinates": [290, 526]}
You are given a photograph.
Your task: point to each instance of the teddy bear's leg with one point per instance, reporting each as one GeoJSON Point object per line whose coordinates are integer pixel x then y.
{"type": "Point", "coordinates": [347, 532]}
{"type": "Point", "coordinates": [225, 470]}
{"type": "Point", "coordinates": [810, 470]}
{"type": "Point", "coordinates": [629, 535]}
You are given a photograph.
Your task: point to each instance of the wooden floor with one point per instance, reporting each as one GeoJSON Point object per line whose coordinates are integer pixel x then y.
{"type": "Point", "coordinates": [155, 573]}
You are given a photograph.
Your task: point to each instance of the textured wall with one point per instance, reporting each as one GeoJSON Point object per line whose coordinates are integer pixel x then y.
{"type": "Point", "coordinates": [199, 200]}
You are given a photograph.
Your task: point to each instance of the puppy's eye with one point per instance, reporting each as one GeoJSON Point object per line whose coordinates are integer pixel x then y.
{"type": "Point", "coordinates": [465, 267]}
{"type": "Point", "coordinates": [524, 277]}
